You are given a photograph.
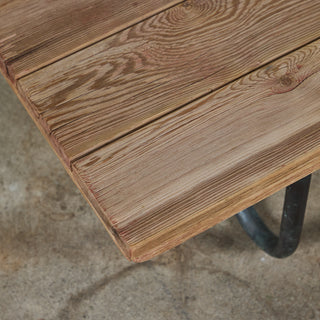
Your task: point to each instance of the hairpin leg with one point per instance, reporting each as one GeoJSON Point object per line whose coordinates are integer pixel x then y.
{"type": "Point", "coordinates": [291, 224]}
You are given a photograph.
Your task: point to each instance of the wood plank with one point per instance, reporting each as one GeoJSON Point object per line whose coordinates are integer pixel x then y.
{"type": "Point", "coordinates": [144, 72]}
{"type": "Point", "coordinates": [181, 174]}
{"type": "Point", "coordinates": [34, 33]}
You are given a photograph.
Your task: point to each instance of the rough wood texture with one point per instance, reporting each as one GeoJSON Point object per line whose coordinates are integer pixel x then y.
{"type": "Point", "coordinates": [160, 64]}
{"type": "Point", "coordinates": [161, 125]}
{"type": "Point", "coordinates": [34, 33]}
{"type": "Point", "coordinates": [185, 172]}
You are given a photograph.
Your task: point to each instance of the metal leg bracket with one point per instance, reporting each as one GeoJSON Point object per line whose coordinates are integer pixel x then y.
{"type": "Point", "coordinates": [291, 225]}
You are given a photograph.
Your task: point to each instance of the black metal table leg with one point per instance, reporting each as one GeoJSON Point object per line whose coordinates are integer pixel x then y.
{"type": "Point", "coordinates": [291, 223]}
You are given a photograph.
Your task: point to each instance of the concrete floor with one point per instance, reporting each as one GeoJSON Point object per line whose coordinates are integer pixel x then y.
{"type": "Point", "coordinates": [58, 262]}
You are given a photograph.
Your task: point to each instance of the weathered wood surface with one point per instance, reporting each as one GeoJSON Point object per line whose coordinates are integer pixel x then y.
{"type": "Point", "coordinates": [160, 64]}
{"type": "Point", "coordinates": [34, 33]}
{"type": "Point", "coordinates": [177, 121]}
{"type": "Point", "coordinates": [186, 171]}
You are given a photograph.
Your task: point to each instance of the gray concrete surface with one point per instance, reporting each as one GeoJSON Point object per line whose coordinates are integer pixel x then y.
{"type": "Point", "coordinates": [58, 262]}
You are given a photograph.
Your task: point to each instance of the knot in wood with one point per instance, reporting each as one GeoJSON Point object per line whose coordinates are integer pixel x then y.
{"type": "Point", "coordinates": [286, 80]}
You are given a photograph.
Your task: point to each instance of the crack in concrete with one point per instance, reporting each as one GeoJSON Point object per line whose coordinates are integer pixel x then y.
{"type": "Point", "coordinates": [75, 300]}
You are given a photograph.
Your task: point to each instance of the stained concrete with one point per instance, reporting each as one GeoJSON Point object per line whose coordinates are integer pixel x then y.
{"type": "Point", "coordinates": [58, 262]}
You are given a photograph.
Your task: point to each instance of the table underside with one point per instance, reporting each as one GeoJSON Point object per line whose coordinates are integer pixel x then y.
{"type": "Point", "coordinates": [170, 116]}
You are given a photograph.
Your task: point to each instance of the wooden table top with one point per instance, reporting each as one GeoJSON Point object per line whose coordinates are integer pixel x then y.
{"type": "Point", "coordinates": [170, 116]}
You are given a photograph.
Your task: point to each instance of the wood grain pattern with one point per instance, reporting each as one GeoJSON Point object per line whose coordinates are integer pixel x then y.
{"type": "Point", "coordinates": [151, 123]}
{"type": "Point", "coordinates": [144, 72]}
{"type": "Point", "coordinates": [34, 33]}
{"type": "Point", "coordinates": [185, 172]}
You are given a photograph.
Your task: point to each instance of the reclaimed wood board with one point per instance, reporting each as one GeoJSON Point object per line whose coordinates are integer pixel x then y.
{"type": "Point", "coordinates": [103, 92]}
{"type": "Point", "coordinates": [35, 33]}
{"type": "Point", "coordinates": [184, 172]}
{"type": "Point", "coordinates": [182, 114]}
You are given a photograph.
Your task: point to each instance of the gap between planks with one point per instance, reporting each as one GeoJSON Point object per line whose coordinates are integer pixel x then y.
{"type": "Point", "coordinates": [101, 93]}
{"type": "Point", "coordinates": [5, 64]}
{"type": "Point", "coordinates": [186, 104]}
{"type": "Point", "coordinates": [276, 163]}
